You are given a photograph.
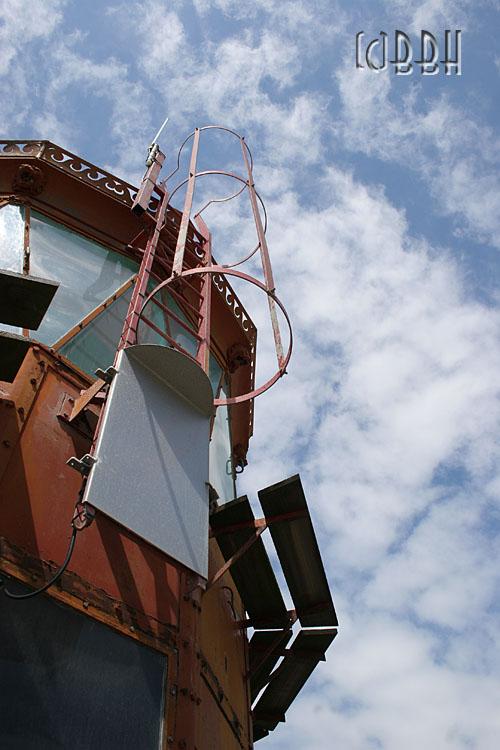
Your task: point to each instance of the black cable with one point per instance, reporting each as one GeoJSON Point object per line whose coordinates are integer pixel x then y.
{"type": "Point", "coordinates": [52, 580]}
{"type": "Point", "coordinates": [231, 601]}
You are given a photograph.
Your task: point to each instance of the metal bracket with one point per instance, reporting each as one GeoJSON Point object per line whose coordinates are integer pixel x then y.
{"type": "Point", "coordinates": [263, 624]}
{"type": "Point", "coordinates": [86, 397]}
{"type": "Point", "coordinates": [256, 523]}
{"type": "Point", "coordinates": [83, 465]}
{"type": "Point", "coordinates": [106, 375]}
{"type": "Point", "coordinates": [244, 548]}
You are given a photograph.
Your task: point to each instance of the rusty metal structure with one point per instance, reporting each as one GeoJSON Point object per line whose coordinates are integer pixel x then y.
{"type": "Point", "coordinates": [139, 607]}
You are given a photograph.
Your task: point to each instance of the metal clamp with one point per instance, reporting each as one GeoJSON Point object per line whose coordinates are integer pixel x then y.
{"type": "Point", "coordinates": [106, 375]}
{"type": "Point", "coordinates": [83, 516]}
{"type": "Point", "coordinates": [83, 465]}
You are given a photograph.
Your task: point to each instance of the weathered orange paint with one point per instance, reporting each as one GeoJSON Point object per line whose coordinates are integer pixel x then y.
{"type": "Point", "coordinates": [113, 575]}
{"type": "Point", "coordinates": [37, 497]}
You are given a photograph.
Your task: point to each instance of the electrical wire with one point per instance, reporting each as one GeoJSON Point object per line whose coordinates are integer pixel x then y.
{"type": "Point", "coordinates": [231, 600]}
{"type": "Point", "coordinates": [53, 579]}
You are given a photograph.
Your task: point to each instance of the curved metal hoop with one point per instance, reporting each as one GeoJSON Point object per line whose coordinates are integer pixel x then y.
{"type": "Point", "coordinates": [241, 138]}
{"type": "Point", "coordinates": [227, 198]}
{"type": "Point", "coordinates": [233, 176]}
{"type": "Point", "coordinates": [222, 271]}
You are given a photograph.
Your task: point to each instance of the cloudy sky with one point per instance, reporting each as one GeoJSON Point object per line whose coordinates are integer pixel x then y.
{"type": "Point", "coordinates": [383, 199]}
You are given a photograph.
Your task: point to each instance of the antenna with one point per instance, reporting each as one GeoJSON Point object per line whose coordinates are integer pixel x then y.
{"type": "Point", "coordinates": [154, 164]}
{"type": "Point", "coordinates": [154, 148]}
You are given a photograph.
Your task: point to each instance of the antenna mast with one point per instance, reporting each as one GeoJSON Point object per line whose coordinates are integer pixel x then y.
{"type": "Point", "coordinates": [154, 163]}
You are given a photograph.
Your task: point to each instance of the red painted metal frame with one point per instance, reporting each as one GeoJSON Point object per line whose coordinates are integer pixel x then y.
{"type": "Point", "coordinates": [142, 199]}
{"type": "Point", "coordinates": [233, 176]}
{"type": "Point", "coordinates": [266, 262]}
{"type": "Point", "coordinates": [204, 267]}
{"type": "Point", "coordinates": [203, 355]}
{"type": "Point", "coordinates": [222, 270]}
{"type": "Point", "coordinates": [186, 213]}
{"type": "Point", "coordinates": [129, 332]}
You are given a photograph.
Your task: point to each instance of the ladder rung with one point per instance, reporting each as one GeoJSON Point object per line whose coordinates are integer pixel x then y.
{"type": "Point", "coordinates": [185, 302]}
{"type": "Point", "coordinates": [176, 318]}
{"type": "Point", "coordinates": [168, 338]}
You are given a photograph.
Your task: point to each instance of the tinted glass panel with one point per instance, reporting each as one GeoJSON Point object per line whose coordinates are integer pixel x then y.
{"type": "Point", "coordinates": [166, 323]}
{"type": "Point", "coordinates": [70, 682]}
{"type": "Point", "coordinates": [11, 238]}
{"type": "Point", "coordinates": [11, 246]}
{"type": "Point", "coordinates": [88, 274]}
{"type": "Point", "coordinates": [96, 344]}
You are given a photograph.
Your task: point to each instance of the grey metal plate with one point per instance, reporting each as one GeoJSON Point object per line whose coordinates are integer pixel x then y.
{"type": "Point", "coordinates": [151, 473]}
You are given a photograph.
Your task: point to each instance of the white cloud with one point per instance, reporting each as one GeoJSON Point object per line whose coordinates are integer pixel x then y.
{"type": "Point", "coordinates": [228, 81]}
{"type": "Point", "coordinates": [390, 392]}
{"type": "Point", "coordinates": [21, 22]}
{"type": "Point", "coordinates": [385, 690]}
{"type": "Point", "coordinates": [435, 15]}
{"type": "Point", "coordinates": [455, 155]}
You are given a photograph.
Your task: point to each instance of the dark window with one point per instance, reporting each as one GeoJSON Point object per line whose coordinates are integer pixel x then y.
{"type": "Point", "coordinates": [69, 682]}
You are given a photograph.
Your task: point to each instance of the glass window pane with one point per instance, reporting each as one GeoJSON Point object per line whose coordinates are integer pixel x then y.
{"type": "Point", "coordinates": [166, 323]}
{"type": "Point", "coordinates": [146, 334]}
{"type": "Point", "coordinates": [11, 247]}
{"type": "Point", "coordinates": [178, 333]}
{"type": "Point", "coordinates": [11, 238]}
{"type": "Point", "coordinates": [88, 274]}
{"type": "Point", "coordinates": [96, 344]}
{"type": "Point", "coordinates": [68, 681]}
{"type": "Point", "coordinates": [221, 474]}
{"type": "Point", "coordinates": [214, 373]}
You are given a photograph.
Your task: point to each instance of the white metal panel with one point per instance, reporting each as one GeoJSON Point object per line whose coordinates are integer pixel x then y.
{"type": "Point", "coordinates": [152, 452]}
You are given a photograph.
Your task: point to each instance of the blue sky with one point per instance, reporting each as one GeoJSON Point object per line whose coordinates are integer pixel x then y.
{"type": "Point", "coordinates": [384, 201]}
